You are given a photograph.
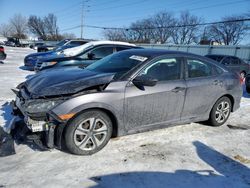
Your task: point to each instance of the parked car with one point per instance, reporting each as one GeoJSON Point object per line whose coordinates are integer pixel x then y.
{"type": "Point", "coordinates": [70, 44]}
{"type": "Point", "coordinates": [82, 55]}
{"type": "Point", "coordinates": [232, 62]}
{"type": "Point", "coordinates": [15, 42]}
{"type": "Point", "coordinates": [2, 53]}
{"type": "Point", "coordinates": [247, 82]}
{"type": "Point", "coordinates": [127, 92]}
{"type": "Point", "coordinates": [35, 45]}
{"type": "Point", "coordinates": [31, 59]}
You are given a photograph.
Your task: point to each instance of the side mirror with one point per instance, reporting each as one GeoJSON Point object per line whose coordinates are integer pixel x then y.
{"type": "Point", "coordinates": [91, 56]}
{"type": "Point", "coordinates": [144, 80]}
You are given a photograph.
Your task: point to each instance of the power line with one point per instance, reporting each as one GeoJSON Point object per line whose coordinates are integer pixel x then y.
{"type": "Point", "coordinates": [218, 5]}
{"type": "Point", "coordinates": [163, 27]}
{"type": "Point", "coordinates": [119, 6]}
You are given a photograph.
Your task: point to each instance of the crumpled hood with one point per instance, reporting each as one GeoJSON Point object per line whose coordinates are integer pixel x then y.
{"type": "Point", "coordinates": [65, 81]}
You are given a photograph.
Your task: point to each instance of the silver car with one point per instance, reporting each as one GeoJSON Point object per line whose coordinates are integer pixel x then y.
{"type": "Point", "coordinates": [127, 92]}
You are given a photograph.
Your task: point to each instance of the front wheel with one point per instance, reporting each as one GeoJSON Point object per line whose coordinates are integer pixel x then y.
{"type": "Point", "coordinates": [220, 112]}
{"type": "Point", "coordinates": [88, 133]}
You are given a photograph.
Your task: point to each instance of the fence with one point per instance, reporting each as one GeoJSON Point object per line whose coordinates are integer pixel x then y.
{"type": "Point", "coordinates": [242, 52]}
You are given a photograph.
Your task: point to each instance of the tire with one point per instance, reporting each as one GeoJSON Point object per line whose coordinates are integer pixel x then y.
{"type": "Point", "coordinates": [248, 89]}
{"type": "Point", "coordinates": [220, 112]}
{"type": "Point", "coordinates": [83, 139]}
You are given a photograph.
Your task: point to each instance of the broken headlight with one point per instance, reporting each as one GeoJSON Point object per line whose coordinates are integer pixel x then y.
{"type": "Point", "coordinates": [46, 64]}
{"type": "Point", "coordinates": [42, 106]}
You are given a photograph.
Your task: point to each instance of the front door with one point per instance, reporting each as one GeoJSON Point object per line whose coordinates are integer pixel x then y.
{"type": "Point", "coordinates": [160, 103]}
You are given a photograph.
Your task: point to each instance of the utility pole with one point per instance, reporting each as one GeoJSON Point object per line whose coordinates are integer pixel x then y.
{"type": "Point", "coordinates": [82, 9]}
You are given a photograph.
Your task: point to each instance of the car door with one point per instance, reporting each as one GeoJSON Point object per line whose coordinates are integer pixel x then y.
{"type": "Point", "coordinates": [204, 86]}
{"type": "Point", "coordinates": [160, 103]}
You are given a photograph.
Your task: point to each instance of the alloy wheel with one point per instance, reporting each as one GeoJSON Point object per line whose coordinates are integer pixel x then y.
{"type": "Point", "coordinates": [222, 111]}
{"type": "Point", "coordinates": [90, 134]}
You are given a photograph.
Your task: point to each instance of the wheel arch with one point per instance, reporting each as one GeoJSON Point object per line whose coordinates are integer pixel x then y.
{"type": "Point", "coordinates": [231, 98]}
{"type": "Point", "coordinates": [111, 115]}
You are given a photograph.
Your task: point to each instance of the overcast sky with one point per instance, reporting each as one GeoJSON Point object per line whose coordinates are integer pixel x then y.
{"type": "Point", "coordinates": [117, 13]}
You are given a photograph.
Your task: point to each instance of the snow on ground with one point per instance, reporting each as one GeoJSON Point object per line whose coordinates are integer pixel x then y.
{"type": "Point", "coordinates": [191, 155]}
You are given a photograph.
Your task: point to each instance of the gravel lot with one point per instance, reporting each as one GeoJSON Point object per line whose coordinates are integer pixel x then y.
{"type": "Point", "coordinates": [191, 155]}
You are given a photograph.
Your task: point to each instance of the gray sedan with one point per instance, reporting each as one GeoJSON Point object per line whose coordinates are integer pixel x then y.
{"type": "Point", "coordinates": [128, 92]}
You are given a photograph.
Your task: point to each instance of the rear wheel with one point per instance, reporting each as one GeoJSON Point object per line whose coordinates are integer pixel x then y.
{"type": "Point", "coordinates": [220, 112]}
{"type": "Point", "coordinates": [88, 133]}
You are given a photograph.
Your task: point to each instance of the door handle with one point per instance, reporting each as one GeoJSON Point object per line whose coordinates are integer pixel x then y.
{"type": "Point", "coordinates": [178, 89]}
{"type": "Point", "coordinates": [217, 82]}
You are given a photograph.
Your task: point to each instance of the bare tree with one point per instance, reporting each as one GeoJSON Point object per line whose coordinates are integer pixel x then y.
{"type": "Point", "coordinates": [163, 22]}
{"type": "Point", "coordinates": [6, 30]}
{"type": "Point", "coordinates": [115, 34]}
{"type": "Point", "coordinates": [230, 32]}
{"type": "Point", "coordinates": [186, 29]}
{"type": "Point", "coordinates": [50, 23]}
{"type": "Point", "coordinates": [142, 30]}
{"type": "Point", "coordinates": [68, 36]}
{"type": "Point", "coordinates": [19, 25]}
{"type": "Point", "coordinates": [36, 26]}
{"type": "Point", "coordinates": [159, 28]}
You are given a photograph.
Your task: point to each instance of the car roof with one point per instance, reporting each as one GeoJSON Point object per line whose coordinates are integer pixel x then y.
{"type": "Point", "coordinates": [76, 50]}
{"type": "Point", "coordinates": [219, 55]}
{"type": "Point", "coordinates": [156, 52]}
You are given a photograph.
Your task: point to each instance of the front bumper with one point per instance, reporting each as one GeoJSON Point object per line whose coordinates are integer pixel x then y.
{"type": "Point", "coordinates": [48, 133]}
{"type": "Point", "coordinates": [33, 125]}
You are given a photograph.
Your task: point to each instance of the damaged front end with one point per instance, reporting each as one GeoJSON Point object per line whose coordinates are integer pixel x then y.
{"type": "Point", "coordinates": [33, 114]}
{"type": "Point", "coordinates": [35, 108]}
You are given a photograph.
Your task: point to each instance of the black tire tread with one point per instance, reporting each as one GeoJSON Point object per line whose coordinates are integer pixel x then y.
{"type": "Point", "coordinates": [70, 128]}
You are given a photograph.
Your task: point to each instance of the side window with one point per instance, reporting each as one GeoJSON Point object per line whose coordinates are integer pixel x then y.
{"type": "Point", "coordinates": [164, 69]}
{"type": "Point", "coordinates": [197, 68]}
{"type": "Point", "coordinates": [226, 61]}
{"type": "Point", "coordinates": [121, 48]}
{"type": "Point", "coordinates": [101, 52]}
{"type": "Point", "coordinates": [235, 61]}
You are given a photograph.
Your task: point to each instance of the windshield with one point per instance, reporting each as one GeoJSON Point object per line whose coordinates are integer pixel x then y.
{"type": "Point", "coordinates": [119, 63]}
{"type": "Point", "coordinates": [61, 43]}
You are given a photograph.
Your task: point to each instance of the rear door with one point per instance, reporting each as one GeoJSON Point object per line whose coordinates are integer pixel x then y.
{"type": "Point", "coordinates": [204, 86]}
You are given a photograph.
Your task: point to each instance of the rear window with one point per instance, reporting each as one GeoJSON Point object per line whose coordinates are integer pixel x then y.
{"type": "Point", "coordinates": [77, 42]}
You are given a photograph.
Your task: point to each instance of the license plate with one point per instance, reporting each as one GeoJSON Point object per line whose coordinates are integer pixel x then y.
{"type": "Point", "coordinates": [36, 126]}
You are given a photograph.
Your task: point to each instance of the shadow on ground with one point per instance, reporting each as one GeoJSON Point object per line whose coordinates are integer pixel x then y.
{"type": "Point", "coordinates": [226, 173]}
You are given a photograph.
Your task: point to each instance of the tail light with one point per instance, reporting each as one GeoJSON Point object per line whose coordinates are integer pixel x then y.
{"type": "Point", "coordinates": [242, 80]}
{"type": "Point", "coordinates": [1, 49]}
